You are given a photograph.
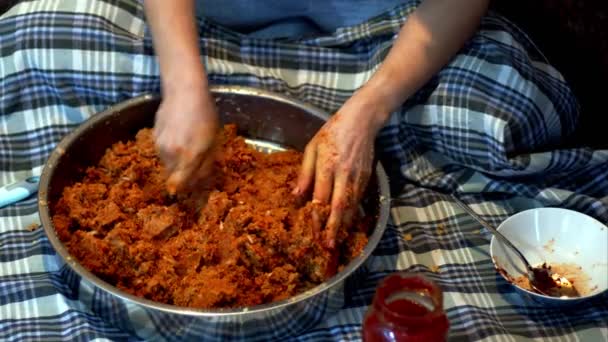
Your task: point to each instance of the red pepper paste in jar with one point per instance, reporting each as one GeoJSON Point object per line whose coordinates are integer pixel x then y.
{"type": "Point", "coordinates": [406, 307]}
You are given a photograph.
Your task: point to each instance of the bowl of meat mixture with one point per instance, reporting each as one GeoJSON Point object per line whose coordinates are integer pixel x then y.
{"type": "Point", "coordinates": [238, 256]}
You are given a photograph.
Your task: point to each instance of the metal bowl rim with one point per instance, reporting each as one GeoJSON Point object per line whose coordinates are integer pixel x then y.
{"type": "Point", "coordinates": [68, 140]}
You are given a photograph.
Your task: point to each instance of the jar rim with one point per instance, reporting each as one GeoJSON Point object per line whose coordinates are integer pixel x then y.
{"type": "Point", "coordinates": [406, 282]}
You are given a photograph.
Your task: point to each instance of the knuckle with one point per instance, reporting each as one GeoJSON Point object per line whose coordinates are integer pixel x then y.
{"type": "Point", "coordinates": [307, 154]}
{"type": "Point", "coordinates": [339, 205]}
{"type": "Point", "coordinates": [310, 147]}
{"type": "Point", "coordinates": [345, 168]}
{"type": "Point", "coordinates": [326, 169]}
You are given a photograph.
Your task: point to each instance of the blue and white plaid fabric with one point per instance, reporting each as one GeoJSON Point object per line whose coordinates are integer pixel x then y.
{"type": "Point", "coordinates": [487, 127]}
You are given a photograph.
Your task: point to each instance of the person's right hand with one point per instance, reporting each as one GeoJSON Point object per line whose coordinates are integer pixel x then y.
{"type": "Point", "coordinates": [185, 131]}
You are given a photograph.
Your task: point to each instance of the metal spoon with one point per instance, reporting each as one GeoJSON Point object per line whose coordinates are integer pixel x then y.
{"type": "Point", "coordinates": [536, 275]}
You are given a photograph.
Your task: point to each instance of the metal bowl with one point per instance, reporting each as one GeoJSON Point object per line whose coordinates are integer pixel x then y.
{"type": "Point", "coordinates": [262, 116]}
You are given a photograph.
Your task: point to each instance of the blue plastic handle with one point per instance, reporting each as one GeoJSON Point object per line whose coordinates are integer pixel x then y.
{"type": "Point", "coordinates": [18, 191]}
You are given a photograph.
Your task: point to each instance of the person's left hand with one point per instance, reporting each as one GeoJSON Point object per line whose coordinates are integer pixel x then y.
{"type": "Point", "coordinates": [338, 161]}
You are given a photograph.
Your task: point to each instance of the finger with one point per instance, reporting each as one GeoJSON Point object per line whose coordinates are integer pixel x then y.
{"type": "Point", "coordinates": [350, 210]}
{"type": "Point", "coordinates": [183, 172]}
{"type": "Point", "coordinates": [307, 171]}
{"type": "Point", "coordinates": [360, 185]}
{"type": "Point", "coordinates": [339, 205]}
{"type": "Point", "coordinates": [348, 220]}
{"type": "Point", "coordinates": [332, 263]}
{"type": "Point", "coordinates": [158, 125]}
{"type": "Point", "coordinates": [176, 180]}
{"type": "Point", "coordinates": [195, 170]}
{"type": "Point", "coordinates": [167, 159]}
{"type": "Point", "coordinates": [324, 179]}
{"type": "Point", "coordinates": [316, 223]}
{"type": "Point", "coordinates": [167, 151]}
{"type": "Point", "coordinates": [202, 172]}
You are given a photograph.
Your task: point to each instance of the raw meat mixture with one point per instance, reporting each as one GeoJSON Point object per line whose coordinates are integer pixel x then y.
{"type": "Point", "coordinates": [241, 239]}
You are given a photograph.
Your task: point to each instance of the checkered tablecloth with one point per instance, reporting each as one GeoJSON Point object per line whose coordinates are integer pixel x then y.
{"type": "Point", "coordinates": [486, 127]}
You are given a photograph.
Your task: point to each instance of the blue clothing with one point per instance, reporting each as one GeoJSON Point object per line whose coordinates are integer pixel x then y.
{"type": "Point", "coordinates": [281, 19]}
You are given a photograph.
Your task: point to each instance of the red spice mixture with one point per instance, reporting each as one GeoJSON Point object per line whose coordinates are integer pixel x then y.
{"type": "Point", "coordinates": [242, 239]}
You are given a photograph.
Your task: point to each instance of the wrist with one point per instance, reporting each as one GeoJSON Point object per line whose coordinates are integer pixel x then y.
{"type": "Point", "coordinates": [388, 89]}
{"type": "Point", "coordinates": [371, 108]}
{"type": "Point", "coordinates": [184, 82]}
{"type": "Point", "coordinates": [189, 96]}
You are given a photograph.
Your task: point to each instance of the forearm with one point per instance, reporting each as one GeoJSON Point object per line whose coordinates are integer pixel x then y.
{"type": "Point", "coordinates": [430, 37]}
{"type": "Point", "coordinates": [175, 39]}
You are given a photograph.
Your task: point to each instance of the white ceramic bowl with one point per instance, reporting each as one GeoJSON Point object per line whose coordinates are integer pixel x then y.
{"type": "Point", "coordinates": [556, 236]}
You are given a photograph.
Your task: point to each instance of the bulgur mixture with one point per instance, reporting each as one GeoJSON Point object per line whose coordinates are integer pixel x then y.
{"type": "Point", "coordinates": [241, 239]}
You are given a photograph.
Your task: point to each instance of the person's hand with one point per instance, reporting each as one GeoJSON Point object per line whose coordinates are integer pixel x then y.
{"type": "Point", "coordinates": [338, 161]}
{"type": "Point", "coordinates": [185, 131]}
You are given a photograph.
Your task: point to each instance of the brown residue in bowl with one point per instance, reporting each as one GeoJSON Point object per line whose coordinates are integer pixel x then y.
{"type": "Point", "coordinates": [573, 273]}
{"type": "Point", "coordinates": [549, 246]}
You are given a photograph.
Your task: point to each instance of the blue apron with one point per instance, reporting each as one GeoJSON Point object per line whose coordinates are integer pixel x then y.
{"type": "Point", "coordinates": [288, 19]}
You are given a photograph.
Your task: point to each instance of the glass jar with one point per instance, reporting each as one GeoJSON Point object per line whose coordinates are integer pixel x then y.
{"type": "Point", "coordinates": [406, 307]}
